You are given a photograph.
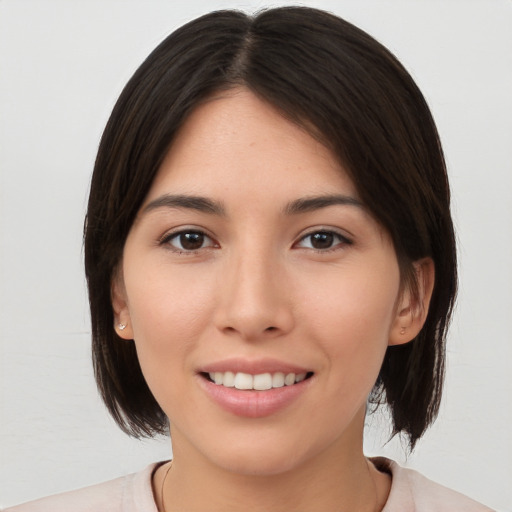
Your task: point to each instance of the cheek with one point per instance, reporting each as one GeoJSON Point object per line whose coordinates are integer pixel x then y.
{"type": "Point", "coordinates": [169, 312]}
{"type": "Point", "coordinates": [352, 317]}
{"type": "Point", "coordinates": [163, 301]}
{"type": "Point", "coordinates": [367, 298]}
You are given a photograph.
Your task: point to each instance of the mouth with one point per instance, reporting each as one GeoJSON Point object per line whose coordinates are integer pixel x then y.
{"type": "Point", "coordinates": [254, 389]}
{"type": "Point", "coordinates": [259, 382]}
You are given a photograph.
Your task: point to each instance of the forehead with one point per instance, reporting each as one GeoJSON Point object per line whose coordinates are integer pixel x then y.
{"type": "Point", "coordinates": [235, 141]}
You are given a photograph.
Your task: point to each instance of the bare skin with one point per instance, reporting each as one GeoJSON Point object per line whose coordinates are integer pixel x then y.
{"type": "Point", "coordinates": [266, 494]}
{"type": "Point", "coordinates": [252, 244]}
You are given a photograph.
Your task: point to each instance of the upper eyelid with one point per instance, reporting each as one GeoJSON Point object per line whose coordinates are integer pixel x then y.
{"type": "Point", "coordinates": [325, 229]}
{"type": "Point", "coordinates": [171, 233]}
{"type": "Point", "coordinates": [343, 242]}
{"type": "Point", "coordinates": [165, 241]}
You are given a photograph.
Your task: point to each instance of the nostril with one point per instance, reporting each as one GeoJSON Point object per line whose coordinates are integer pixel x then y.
{"type": "Point", "coordinates": [270, 329]}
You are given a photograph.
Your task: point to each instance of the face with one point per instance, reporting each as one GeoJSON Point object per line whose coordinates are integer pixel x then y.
{"type": "Point", "coordinates": [260, 293]}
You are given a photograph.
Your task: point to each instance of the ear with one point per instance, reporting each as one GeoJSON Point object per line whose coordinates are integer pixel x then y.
{"type": "Point", "coordinates": [412, 308]}
{"type": "Point", "coordinates": [122, 320]}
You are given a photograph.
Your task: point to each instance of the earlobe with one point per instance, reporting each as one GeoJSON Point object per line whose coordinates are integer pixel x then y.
{"type": "Point", "coordinates": [412, 308]}
{"type": "Point", "coordinates": [122, 321]}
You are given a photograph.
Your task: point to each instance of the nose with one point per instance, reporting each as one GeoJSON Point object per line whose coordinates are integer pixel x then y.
{"type": "Point", "coordinates": [256, 301]}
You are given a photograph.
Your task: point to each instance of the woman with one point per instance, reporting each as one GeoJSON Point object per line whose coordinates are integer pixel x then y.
{"type": "Point", "coordinates": [269, 249]}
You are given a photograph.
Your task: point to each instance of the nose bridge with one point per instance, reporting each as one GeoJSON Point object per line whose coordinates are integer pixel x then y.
{"type": "Point", "coordinates": [256, 302]}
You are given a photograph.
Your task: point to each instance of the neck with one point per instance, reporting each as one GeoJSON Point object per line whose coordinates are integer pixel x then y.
{"type": "Point", "coordinates": [336, 480]}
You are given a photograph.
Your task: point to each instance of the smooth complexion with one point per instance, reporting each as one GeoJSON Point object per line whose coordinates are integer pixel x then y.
{"type": "Point", "coordinates": [252, 253]}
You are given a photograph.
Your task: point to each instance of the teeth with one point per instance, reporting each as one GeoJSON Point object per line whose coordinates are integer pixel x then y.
{"type": "Point", "coordinates": [229, 380]}
{"type": "Point", "coordinates": [259, 382]}
{"type": "Point", "coordinates": [278, 380]}
{"type": "Point", "coordinates": [244, 381]}
{"type": "Point", "coordinates": [289, 379]}
{"type": "Point", "coordinates": [262, 381]}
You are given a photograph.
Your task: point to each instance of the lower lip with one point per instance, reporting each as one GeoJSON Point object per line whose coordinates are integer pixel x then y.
{"type": "Point", "coordinates": [253, 404]}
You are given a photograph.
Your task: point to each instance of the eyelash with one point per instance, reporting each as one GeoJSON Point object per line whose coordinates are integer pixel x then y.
{"type": "Point", "coordinates": [167, 238]}
{"type": "Point", "coordinates": [342, 240]}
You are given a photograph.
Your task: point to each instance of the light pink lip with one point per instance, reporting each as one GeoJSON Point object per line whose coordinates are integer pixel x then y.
{"type": "Point", "coordinates": [253, 404]}
{"type": "Point", "coordinates": [253, 367]}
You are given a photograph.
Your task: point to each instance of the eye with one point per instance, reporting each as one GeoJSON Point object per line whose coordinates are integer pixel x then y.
{"type": "Point", "coordinates": [188, 240]}
{"type": "Point", "coordinates": [322, 240]}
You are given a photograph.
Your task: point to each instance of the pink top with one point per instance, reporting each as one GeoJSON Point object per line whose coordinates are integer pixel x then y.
{"type": "Point", "coordinates": [410, 492]}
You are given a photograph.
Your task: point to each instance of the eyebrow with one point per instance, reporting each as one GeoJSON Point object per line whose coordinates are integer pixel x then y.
{"type": "Point", "coordinates": [206, 205]}
{"type": "Point", "coordinates": [308, 204]}
{"type": "Point", "coordinates": [198, 203]}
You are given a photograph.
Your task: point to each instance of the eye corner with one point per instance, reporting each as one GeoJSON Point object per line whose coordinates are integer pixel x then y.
{"type": "Point", "coordinates": [188, 241]}
{"type": "Point", "coordinates": [323, 240]}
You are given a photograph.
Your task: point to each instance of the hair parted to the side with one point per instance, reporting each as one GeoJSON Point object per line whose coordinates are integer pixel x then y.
{"type": "Point", "coordinates": [348, 91]}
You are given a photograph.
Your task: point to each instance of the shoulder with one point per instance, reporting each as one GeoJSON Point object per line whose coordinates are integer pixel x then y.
{"type": "Point", "coordinates": [130, 493]}
{"type": "Point", "coordinates": [412, 492]}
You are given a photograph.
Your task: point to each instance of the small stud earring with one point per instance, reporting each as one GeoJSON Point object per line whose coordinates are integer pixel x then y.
{"type": "Point", "coordinates": [122, 327]}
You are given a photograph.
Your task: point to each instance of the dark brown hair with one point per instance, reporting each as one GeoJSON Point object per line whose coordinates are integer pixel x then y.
{"type": "Point", "coordinates": [348, 91]}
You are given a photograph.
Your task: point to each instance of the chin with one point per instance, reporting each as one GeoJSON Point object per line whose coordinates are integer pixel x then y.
{"type": "Point", "coordinates": [264, 456]}
{"type": "Point", "coordinates": [262, 464]}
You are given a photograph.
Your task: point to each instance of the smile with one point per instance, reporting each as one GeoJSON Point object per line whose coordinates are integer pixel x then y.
{"type": "Point", "coordinates": [259, 382]}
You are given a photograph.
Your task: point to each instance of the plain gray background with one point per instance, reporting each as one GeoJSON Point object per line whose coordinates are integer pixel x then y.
{"type": "Point", "coordinates": [62, 65]}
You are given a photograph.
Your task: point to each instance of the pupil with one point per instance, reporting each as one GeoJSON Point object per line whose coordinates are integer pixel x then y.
{"type": "Point", "coordinates": [322, 240]}
{"type": "Point", "coordinates": [191, 241]}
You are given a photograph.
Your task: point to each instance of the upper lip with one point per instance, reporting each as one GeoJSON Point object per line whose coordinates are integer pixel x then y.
{"type": "Point", "coordinates": [253, 367]}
